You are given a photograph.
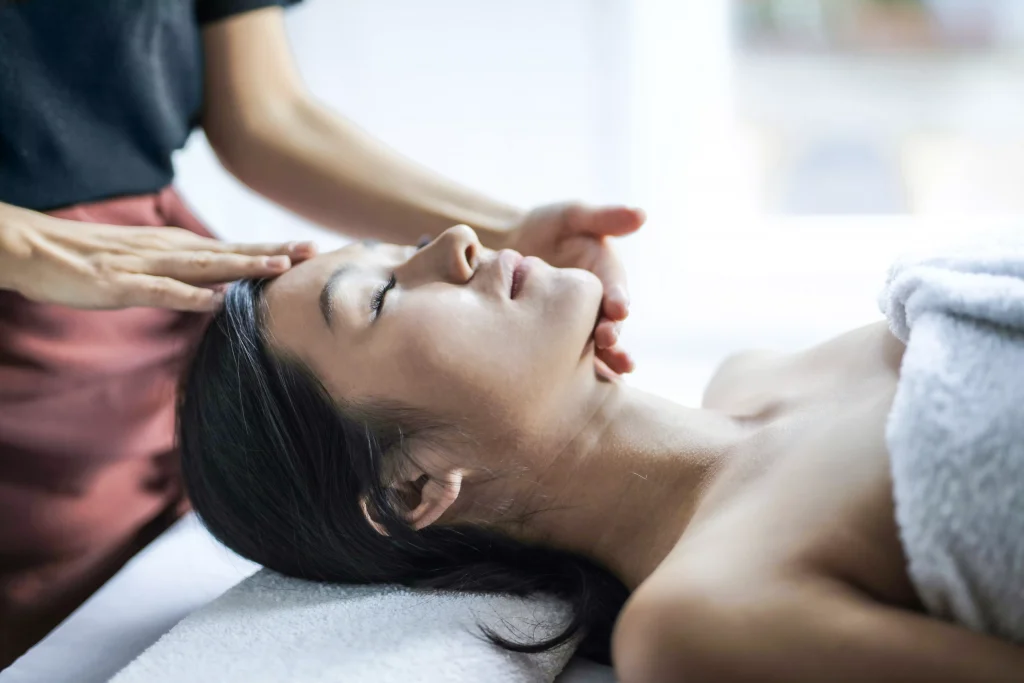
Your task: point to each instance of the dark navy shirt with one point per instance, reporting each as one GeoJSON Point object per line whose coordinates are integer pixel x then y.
{"type": "Point", "coordinates": [95, 95]}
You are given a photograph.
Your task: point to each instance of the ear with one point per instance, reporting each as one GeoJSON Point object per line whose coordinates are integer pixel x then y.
{"type": "Point", "coordinates": [425, 496]}
{"type": "Point", "coordinates": [435, 495]}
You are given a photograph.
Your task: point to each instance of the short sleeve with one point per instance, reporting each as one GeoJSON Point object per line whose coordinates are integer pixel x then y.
{"type": "Point", "coordinates": [213, 10]}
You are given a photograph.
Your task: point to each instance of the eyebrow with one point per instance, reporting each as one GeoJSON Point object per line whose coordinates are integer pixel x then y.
{"type": "Point", "coordinates": [326, 294]}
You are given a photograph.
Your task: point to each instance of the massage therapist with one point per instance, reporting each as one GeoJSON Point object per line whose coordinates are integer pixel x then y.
{"type": "Point", "coordinates": [106, 278]}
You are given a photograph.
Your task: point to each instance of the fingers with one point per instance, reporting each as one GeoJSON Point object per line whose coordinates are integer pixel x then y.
{"type": "Point", "coordinates": [210, 267]}
{"type": "Point", "coordinates": [296, 251]}
{"type": "Point", "coordinates": [609, 270]}
{"type": "Point", "coordinates": [611, 221]}
{"type": "Point", "coordinates": [606, 334]}
{"type": "Point", "coordinates": [617, 359]}
{"type": "Point", "coordinates": [603, 371]}
{"type": "Point", "coordinates": [615, 304]}
{"type": "Point", "coordinates": [179, 239]}
{"type": "Point", "coordinates": [608, 350]}
{"type": "Point", "coordinates": [164, 292]}
{"type": "Point", "coordinates": [614, 221]}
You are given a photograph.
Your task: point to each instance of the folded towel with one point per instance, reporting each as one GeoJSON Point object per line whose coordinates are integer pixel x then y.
{"type": "Point", "coordinates": [274, 628]}
{"type": "Point", "coordinates": [956, 429]}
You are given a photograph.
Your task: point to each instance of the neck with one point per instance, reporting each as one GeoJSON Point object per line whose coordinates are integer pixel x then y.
{"type": "Point", "coordinates": [622, 488]}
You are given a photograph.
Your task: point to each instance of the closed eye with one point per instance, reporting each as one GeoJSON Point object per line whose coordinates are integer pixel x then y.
{"type": "Point", "coordinates": [377, 301]}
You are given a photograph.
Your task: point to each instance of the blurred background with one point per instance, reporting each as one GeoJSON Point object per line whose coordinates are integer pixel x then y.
{"type": "Point", "coordinates": [785, 150]}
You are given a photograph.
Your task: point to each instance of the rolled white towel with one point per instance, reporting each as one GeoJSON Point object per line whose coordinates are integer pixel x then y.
{"type": "Point", "coordinates": [271, 628]}
{"type": "Point", "coordinates": [956, 429]}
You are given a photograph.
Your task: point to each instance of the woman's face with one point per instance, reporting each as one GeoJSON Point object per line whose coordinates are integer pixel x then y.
{"type": "Point", "coordinates": [459, 331]}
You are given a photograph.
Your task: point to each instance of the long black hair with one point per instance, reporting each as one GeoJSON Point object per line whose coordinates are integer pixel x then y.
{"type": "Point", "coordinates": [276, 469]}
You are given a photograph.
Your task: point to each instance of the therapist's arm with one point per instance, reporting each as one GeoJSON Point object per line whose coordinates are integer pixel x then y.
{"type": "Point", "coordinates": [276, 138]}
{"type": "Point", "coordinates": [272, 135]}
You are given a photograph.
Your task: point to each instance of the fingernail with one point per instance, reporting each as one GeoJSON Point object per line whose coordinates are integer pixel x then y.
{"type": "Point", "coordinates": [277, 262]}
{"type": "Point", "coordinates": [612, 338]}
{"type": "Point", "coordinates": [612, 341]}
{"type": "Point", "coordinates": [301, 246]}
{"type": "Point", "coordinates": [619, 294]}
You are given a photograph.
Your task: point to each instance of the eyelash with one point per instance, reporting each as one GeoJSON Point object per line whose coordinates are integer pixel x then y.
{"type": "Point", "coordinates": [377, 302]}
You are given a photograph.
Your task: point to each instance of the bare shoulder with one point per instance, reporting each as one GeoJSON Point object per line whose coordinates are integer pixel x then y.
{"type": "Point", "coordinates": [683, 619]}
{"type": "Point", "coordinates": [715, 573]}
{"type": "Point", "coordinates": [755, 382]}
{"type": "Point", "coordinates": [792, 628]}
{"type": "Point", "coordinates": [741, 378]}
{"type": "Point", "coordinates": [770, 551]}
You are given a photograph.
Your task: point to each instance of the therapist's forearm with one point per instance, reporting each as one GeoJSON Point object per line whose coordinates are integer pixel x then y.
{"type": "Point", "coordinates": [328, 170]}
{"type": "Point", "coordinates": [272, 135]}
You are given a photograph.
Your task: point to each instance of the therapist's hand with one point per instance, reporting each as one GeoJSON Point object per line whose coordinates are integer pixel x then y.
{"type": "Point", "coordinates": [94, 266]}
{"type": "Point", "coordinates": [576, 236]}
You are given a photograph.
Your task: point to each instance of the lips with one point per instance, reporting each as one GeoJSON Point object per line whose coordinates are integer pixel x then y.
{"type": "Point", "coordinates": [518, 277]}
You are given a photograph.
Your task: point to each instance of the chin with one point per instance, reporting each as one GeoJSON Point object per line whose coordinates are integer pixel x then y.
{"type": "Point", "coordinates": [590, 289]}
{"type": "Point", "coordinates": [577, 306]}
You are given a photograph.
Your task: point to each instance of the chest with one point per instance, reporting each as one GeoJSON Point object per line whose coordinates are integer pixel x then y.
{"type": "Point", "coordinates": [812, 493]}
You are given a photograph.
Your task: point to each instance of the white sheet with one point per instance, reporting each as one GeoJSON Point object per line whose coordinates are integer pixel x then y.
{"type": "Point", "coordinates": [272, 628]}
{"type": "Point", "coordinates": [181, 571]}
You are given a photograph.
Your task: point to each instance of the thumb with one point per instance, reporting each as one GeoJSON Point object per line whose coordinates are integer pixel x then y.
{"type": "Point", "coordinates": [610, 221]}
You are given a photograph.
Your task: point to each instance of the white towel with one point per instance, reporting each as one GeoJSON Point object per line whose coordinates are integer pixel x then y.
{"type": "Point", "coordinates": [956, 430]}
{"type": "Point", "coordinates": [272, 628]}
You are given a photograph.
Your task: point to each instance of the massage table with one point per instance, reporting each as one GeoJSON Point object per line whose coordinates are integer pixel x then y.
{"type": "Point", "coordinates": [179, 572]}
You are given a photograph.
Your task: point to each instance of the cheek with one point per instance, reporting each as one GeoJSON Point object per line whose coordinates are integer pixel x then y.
{"type": "Point", "coordinates": [437, 327]}
{"type": "Point", "coordinates": [459, 355]}
{"type": "Point", "coordinates": [456, 354]}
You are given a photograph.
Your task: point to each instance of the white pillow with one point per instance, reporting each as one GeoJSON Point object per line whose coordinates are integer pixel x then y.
{"type": "Point", "coordinates": [274, 628]}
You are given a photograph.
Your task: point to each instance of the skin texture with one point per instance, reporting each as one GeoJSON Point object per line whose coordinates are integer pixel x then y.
{"type": "Point", "coordinates": [757, 532]}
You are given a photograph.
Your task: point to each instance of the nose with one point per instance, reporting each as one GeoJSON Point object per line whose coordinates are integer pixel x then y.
{"type": "Point", "coordinates": [452, 257]}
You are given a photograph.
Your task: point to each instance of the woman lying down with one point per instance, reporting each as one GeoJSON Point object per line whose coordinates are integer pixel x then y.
{"type": "Point", "coordinates": [433, 418]}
